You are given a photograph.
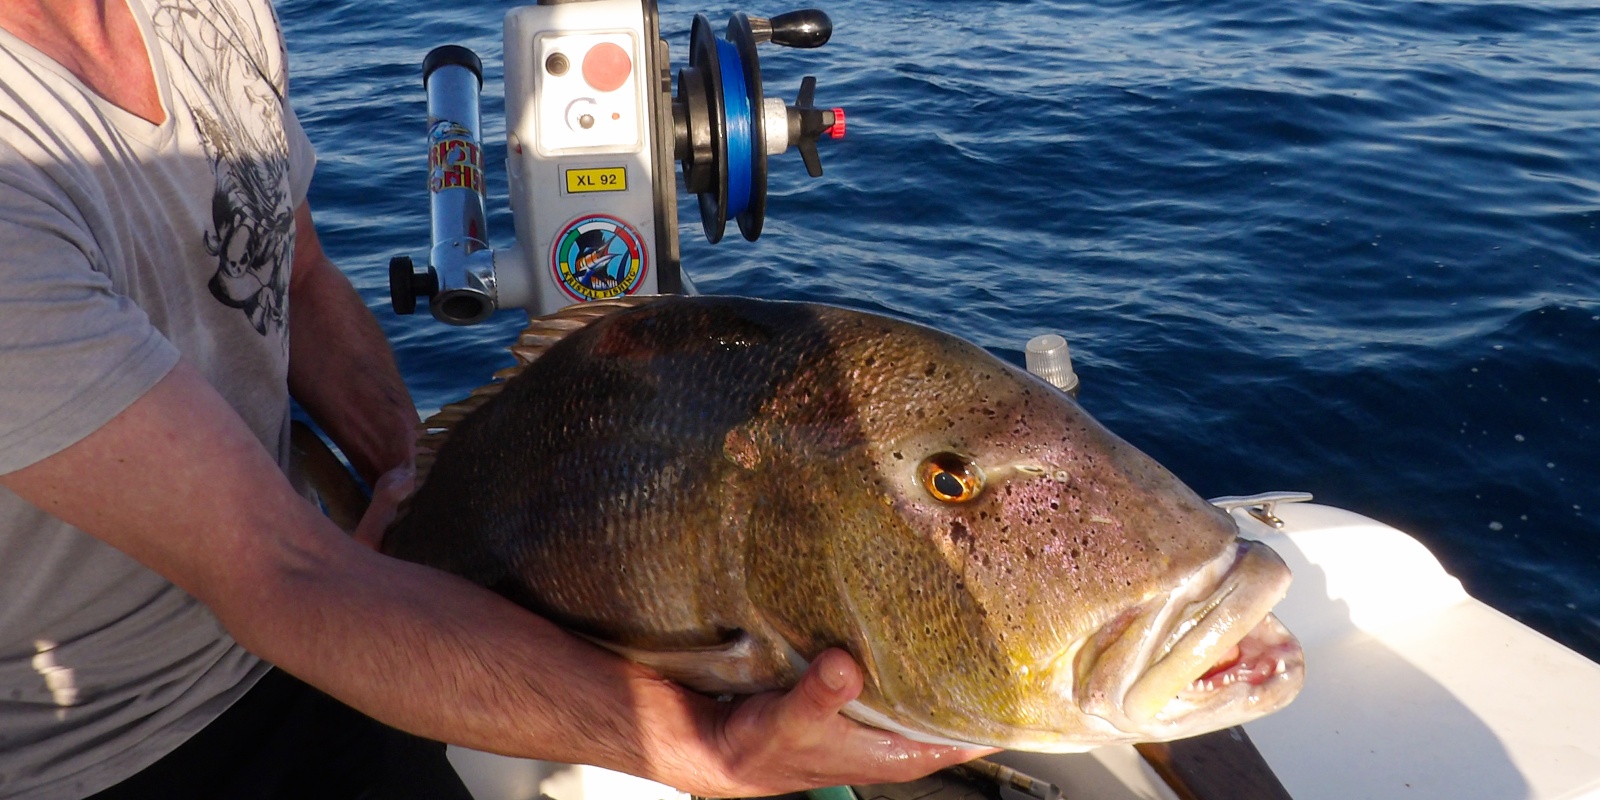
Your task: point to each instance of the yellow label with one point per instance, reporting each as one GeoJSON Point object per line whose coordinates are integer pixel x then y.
{"type": "Point", "coordinates": [603, 179]}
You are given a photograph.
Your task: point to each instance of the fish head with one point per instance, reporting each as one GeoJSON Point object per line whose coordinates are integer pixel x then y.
{"type": "Point", "coordinates": [1021, 577]}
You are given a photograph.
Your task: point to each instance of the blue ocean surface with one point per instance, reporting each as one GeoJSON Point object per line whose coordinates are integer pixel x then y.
{"type": "Point", "coordinates": [1350, 247]}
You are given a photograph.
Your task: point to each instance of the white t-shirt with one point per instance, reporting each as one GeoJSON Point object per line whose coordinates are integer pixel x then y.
{"type": "Point", "coordinates": [123, 245]}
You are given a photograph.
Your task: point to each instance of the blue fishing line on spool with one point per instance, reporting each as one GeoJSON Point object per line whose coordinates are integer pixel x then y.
{"type": "Point", "coordinates": [736, 101]}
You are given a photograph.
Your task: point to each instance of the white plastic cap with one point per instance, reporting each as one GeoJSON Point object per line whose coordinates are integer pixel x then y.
{"type": "Point", "coordinates": [1048, 357]}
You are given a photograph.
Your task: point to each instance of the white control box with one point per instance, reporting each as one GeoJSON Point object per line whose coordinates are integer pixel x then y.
{"type": "Point", "coordinates": [581, 152]}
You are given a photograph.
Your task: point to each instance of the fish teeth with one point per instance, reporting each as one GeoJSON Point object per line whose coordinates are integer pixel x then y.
{"type": "Point", "coordinates": [1220, 680]}
{"type": "Point", "coordinates": [1232, 676]}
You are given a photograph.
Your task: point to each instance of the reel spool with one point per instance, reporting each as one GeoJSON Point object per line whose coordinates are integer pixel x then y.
{"type": "Point", "coordinates": [725, 127]}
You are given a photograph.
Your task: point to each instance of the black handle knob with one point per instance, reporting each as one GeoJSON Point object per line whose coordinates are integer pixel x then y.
{"type": "Point", "coordinates": [806, 28]}
{"type": "Point", "coordinates": [406, 285]}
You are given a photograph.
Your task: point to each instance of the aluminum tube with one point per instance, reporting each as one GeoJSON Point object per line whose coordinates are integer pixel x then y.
{"type": "Point", "coordinates": [460, 258]}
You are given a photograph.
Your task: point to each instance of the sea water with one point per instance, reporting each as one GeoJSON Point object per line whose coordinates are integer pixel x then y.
{"type": "Point", "coordinates": [1350, 247]}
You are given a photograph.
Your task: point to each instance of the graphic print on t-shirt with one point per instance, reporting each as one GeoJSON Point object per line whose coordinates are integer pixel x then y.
{"type": "Point", "coordinates": [241, 130]}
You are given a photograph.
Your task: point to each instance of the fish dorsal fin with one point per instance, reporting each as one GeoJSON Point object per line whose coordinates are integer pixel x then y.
{"type": "Point", "coordinates": [436, 429]}
{"type": "Point", "coordinates": [541, 334]}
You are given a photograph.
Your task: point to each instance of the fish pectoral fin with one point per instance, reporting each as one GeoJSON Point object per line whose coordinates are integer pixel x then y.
{"type": "Point", "coordinates": [734, 666]}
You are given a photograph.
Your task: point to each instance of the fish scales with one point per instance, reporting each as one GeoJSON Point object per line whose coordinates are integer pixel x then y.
{"type": "Point", "coordinates": [722, 488]}
{"type": "Point", "coordinates": [603, 460]}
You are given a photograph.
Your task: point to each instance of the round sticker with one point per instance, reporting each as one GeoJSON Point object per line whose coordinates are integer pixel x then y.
{"type": "Point", "coordinates": [598, 257]}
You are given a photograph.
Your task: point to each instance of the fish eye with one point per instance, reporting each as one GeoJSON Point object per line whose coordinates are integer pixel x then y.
{"type": "Point", "coordinates": [951, 478]}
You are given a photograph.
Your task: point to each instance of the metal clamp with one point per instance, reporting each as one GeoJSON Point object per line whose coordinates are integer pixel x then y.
{"type": "Point", "coordinates": [1261, 505]}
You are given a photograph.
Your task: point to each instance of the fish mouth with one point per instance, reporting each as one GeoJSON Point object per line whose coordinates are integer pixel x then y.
{"type": "Point", "coordinates": [1207, 656]}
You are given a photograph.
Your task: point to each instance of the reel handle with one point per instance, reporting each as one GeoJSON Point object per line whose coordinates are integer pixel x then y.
{"type": "Point", "coordinates": [807, 124]}
{"type": "Point", "coordinates": [806, 28]}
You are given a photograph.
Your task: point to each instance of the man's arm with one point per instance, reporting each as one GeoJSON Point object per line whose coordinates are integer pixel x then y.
{"type": "Point", "coordinates": [340, 366]}
{"type": "Point", "coordinates": [179, 482]}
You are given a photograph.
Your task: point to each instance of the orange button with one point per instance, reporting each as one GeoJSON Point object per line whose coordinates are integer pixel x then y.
{"type": "Point", "coordinates": [606, 67]}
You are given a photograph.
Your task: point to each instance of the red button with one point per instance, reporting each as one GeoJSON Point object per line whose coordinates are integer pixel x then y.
{"type": "Point", "coordinates": [606, 67]}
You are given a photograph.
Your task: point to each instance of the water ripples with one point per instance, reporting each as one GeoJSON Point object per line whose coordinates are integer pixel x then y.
{"type": "Point", "coordinates": [1347, 246]}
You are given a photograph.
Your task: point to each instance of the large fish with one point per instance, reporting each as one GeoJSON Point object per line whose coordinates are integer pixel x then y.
{"type": "Point", "coordinates": [721, 488]}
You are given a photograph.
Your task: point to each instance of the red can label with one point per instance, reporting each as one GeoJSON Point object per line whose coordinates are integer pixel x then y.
{"type": "Point", "coordinates": [454, 160]}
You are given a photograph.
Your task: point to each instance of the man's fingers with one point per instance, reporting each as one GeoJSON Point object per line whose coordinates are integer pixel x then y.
{"type": "Point", "coordinates": [392, 488]}
{"type": "Point", "coordinates": [829, 685]}
{"type": "Point", "coordinates": [797, 739]}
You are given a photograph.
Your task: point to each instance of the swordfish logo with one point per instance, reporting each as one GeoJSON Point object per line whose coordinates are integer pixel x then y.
{"type": "Point", "coordinates": [598, 257]}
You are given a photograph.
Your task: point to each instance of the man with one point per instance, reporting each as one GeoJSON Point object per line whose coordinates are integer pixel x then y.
{"type": "Point", "coordinates": [162, 292]}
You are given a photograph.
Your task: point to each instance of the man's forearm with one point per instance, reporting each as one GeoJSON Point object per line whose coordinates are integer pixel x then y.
{"type": "Point", "coordinates": [443, 658]}
{"type": "Point", "coordinates": [179, 483]}
{"type": "Point", "coordinates": [341, 369]}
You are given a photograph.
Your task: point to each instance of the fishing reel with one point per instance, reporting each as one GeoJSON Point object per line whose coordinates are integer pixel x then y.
{"type": "Point", "coordinates": [593, 131]}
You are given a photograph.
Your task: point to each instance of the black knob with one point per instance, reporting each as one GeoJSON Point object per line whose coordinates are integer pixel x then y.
{"type": "Point", "coordinates": [806, 28]}
{"type": "Point", "coordinates": [406, 285]}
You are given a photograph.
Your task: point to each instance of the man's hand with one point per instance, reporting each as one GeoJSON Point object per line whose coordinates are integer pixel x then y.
{"type": "Point", "coordinates": [783, 742]}
{"type": "Point", "coordinates": [340, 367]}
{"type": "Point", "coordinates": [392, 489]}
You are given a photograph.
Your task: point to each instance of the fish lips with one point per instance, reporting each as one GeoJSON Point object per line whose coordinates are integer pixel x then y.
{"type": "Point", "coordinates": [1207, 656]}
